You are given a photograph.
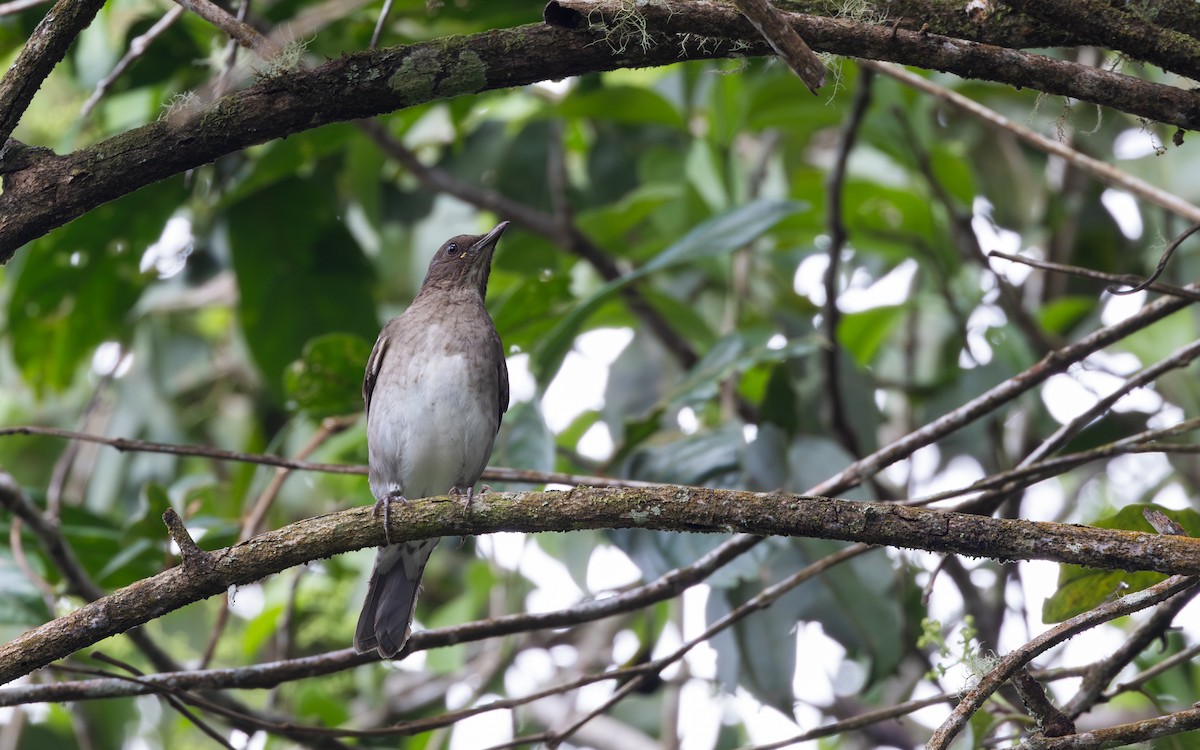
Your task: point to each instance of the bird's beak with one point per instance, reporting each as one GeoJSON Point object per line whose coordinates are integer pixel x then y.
{"type": "Point", "coordinates": [487, 243]}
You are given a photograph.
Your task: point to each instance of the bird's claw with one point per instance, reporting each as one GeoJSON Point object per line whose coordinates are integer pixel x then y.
{"type": "Point", "coordinates": [385, 504]}
{"type": "Point", "coordinates": [456, 491]}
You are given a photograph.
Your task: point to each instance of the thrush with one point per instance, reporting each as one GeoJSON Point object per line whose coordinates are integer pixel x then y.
{"type": "Point", "coordinates": [435, 389]}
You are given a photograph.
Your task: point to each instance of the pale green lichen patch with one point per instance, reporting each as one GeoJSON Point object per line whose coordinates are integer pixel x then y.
{"type": "Point", "coordinates": [417, 75]}
{"type": "Point", "coordinates": [468, 76]}
{"type": "Point", "coordinates": [638, 516]}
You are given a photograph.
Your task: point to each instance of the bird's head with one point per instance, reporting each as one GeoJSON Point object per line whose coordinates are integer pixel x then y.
{"type": "Point", "coordinates": [464, 262]}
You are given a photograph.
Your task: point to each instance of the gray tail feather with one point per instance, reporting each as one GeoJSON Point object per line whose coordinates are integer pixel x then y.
{"type": "Point", "coordinates": [387, 613]}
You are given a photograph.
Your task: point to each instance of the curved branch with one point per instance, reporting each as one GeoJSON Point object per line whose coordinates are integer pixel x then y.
{"type": "Point", "coordinates": [666, 508]}
{"type": "Point", "coordinates": [48, 190]}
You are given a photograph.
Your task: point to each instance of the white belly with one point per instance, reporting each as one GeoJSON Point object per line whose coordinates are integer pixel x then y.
{"type": "Point", "coordinates": [431, 427]}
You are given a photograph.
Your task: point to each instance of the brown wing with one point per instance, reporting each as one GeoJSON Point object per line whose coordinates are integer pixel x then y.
{"type": "Point", "coordinates": [502, 377]}
{"type": "Point", "coordinates": [374, 363]}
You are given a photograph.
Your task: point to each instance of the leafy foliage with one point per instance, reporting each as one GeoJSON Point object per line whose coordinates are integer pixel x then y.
{"type": "Point", "coordinates": [703, 190]}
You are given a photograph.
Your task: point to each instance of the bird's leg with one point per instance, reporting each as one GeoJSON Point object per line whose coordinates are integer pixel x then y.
{"type": "Point", "coordinates": [385, 504]}
{"type": "Point", "coordinates": [456, 492]}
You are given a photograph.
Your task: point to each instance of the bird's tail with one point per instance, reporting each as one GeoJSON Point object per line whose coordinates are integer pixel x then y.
{"type": "Point", "coordinates": [387, 613]}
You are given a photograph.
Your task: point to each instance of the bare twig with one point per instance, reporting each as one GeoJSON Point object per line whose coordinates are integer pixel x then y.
{"type": "Point", "coordinates": [1162, 262]}
{"type": "Point", "coordinates": [171, 700]}
{"type": "Point", "coordinates": [497, 474]}
{"type": "Point", "coordinates": [16, 6]}
{"type": "Point", "coordinates": [245, 34]}
{"type": "Point", "coordinates": [831, 352]}
{"type": "Point", "coordinates": [1099, 170]}
{"type": "Point", "coordinates": [1010, 663]}
{"type": "Point", "coordinates": [1054, 362]}
{"type": "Point", "coordinates": [137, 47]}
{"type": "Point", "coordinates": [1100, 674]}
{"type": "Point", "coordinates": [1121, 735]}
{"type": "Point", "coordinates": [383, 15]}
{"type": "Point", "coordinates": [1087, 273]}
{"type": "Point", "coordinates": [761, 600]}
{"type": "Point", "coordinates": [667, 586]}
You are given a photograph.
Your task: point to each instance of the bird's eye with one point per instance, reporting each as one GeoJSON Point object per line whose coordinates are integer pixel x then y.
{"type": "Point", "coordinates": [452, 249]}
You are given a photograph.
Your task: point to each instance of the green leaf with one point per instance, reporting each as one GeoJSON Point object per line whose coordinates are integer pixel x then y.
{"type": "Point", "coordinates": [327, 380]}
{"type": "Point", "coordinates": [299, 272]}
{"type": "Point", "coordinates": [1081, 589]}
{"type": "Point", "coordinates": [1060, 315]}
{"type": "Point", "coordinates": [713, 238]}
{"type": "Point", "coordinates": [627, 104]}
{"type": "Point", "coordinates": [524, 440]}
{"type": "Point", "coordinates": [21, 604]}
{"type": "Point", "coordinates": [862, 333]}
{"type": "Point", "coordinates": [737, 352]}
{"type": "Point", "coordinates": [76, 287]}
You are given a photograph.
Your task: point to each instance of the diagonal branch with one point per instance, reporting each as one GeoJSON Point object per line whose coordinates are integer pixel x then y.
{"type": "Point", "coordinates": [1014, 661]}
{"type": "Point", "coordinates": [789, 45]}
{"type": "Point", "coordinates": [45, 48]}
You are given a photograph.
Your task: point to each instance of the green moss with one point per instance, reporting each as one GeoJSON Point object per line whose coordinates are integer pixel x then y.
{"type": "Point", "coordinates": [417, 75]}
{"type": "Point", "coordinates": [469, 76]}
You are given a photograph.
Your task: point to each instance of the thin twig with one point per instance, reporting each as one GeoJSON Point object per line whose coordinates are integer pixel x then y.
{"type": "Point", "coordinates": [252, 523]}
{"type": "Point", "coordinates": [1162, 263]}
{"type": "Point", "coordinates": [16, 6]}
{"type": "Point", "coordinates": [1018, 658]}
{"type": "Point", "coordinates": [761, 600]}
{"type": "Point", "coordinates": [46, 46]}
{"type": "Point", "coordinates": [1121, 735]}
{"type": "Point", "coordinates": [497, 474]}
{"type": "Point", "coordinates": [667, 586]}
{"type": "Point", "coordinates": [839, 420]}
{"type": "Point", "coordinates": [171, 700]}
{"type": "Point", "coordinates": [245, 34]}
{"type": "Point", "coordinates": [137, 47]}
{"type": "Point", "coordinates": [1101, 673]}
{"type": "Point", "coordinates": [1137, 681]}
{"type": "Point", "coordinates": [1100, 170]}
{"type": "Point", "coordinates": [987, 402]}
{"type": "Point", "coordinates": [383, 15]}
{"type": "Point", "coordinates": [1123, 279]}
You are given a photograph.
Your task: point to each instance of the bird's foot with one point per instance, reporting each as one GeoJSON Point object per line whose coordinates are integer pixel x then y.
{"type": "Point", "coordinates": [456, 491]}
{"type": "Point", "coordinates": [384, 504]}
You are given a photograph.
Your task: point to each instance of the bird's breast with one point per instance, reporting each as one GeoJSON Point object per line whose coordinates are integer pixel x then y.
{"type": "Point", "coordinates": [432, 420]}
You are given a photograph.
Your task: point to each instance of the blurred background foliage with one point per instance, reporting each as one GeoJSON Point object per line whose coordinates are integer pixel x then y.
{"type": "Point", "coordinates": [234, 306]}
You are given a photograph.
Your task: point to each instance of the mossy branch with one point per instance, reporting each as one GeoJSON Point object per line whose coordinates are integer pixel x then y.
{"type": "Point", "coordinates": [664, 508]}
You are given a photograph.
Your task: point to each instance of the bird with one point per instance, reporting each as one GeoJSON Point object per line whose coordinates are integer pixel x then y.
{"type": "Point", "coordinates": [435, 390]}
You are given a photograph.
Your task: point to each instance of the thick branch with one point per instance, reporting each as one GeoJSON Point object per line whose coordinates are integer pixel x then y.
{"type": "Point", "coordinates": [666, 508]}
{"type": "Point", "coordinates": [714, 20]}
{"type": "Point", "coordinates": [1102, 24]}
{"type": "Point", "coordinates": [52, 190]}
